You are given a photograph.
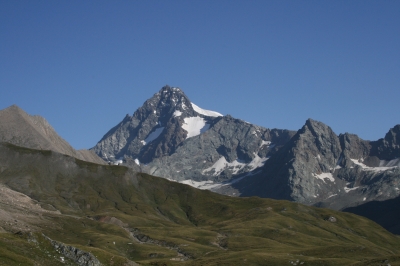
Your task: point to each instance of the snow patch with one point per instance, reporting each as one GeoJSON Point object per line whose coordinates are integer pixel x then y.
{"type": "Point", "coordinates": [153, 135]}
{"type": "Point", "coordinates": [118, 162]}
{"type": "Point", "coordinates": [201, 184]}
{"type": "Point", "coordinates": [257, 162]}
{"type": "Point", "coordinates": [177, 113]}
{"type": "Point", "coordinates": [347, 190]}
{"type": "Point", "coordinates": [324, 176]}
{"type": "Point", "coordinates": [137, 161]}
{"type": "Point", "coordinates": [211, 185]}
{"type": "Point", "coordinates": [205, 112]}
{"type": "Point", "coordinates": [221, 164]}
{"type": "Point", "coordinates": [383, 165]}
{"type": "Point", "coordinates": [265, 142]}
{"type": "Point", "coordinates": [195, 126]}
{"type": "Point", "coordinates": [391, 163]}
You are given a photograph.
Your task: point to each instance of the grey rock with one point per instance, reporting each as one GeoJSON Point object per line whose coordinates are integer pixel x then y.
{"type": "Point", "coordinates": [174, 155]}
{"type": "Point", "coordinates": [313, 166]}
{"type": "Point", "coordinates": [388, 147]}
{"type": "Point", "coordinates": [80, 257]}
{"type": "Point", "coordinates": [332, 219]}
{"type": "Point", "coordinates": [317, 167]}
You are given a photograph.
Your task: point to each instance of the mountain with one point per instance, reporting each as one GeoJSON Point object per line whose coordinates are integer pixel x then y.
{"type": "Point", "coordinates": [19, 128]}
{"type": "Point", "coordinates": [171, 137]}
{"type": "Point", "coordinates": [317, 167]}
{"type": "Point", "coordinates": [59, 210]}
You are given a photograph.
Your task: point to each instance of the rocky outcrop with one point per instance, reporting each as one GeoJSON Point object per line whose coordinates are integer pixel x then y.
{"type": "Point", "coordinates": [137, 235]}
{"type": "Point", "coordinates": [80, 257]}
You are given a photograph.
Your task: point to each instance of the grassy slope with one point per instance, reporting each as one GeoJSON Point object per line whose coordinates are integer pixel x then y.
{"type": "Point", "coordinates": [212, 229]}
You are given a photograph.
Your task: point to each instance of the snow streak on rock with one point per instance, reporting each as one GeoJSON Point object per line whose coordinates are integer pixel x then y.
{"type": "Point", "coordinates": [383, 166]}
{"type": "Point", "coordinates": [205, 112]}
{"type": "Point", "coordinates": [324, 176]}
{"type": "Point", "coordinates": [153, 135]}
{"type": "Point", "coordinates": [219, 166]}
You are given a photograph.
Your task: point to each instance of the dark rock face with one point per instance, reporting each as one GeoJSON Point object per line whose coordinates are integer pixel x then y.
{"type": "Point", "coordinates": [173, 138]}
{"type": "Point", "coordinates": [388, 147]}
{"type": "Point", "coordinates": [302, 169]}
{"type": "Point", "coordinates": [317, 167]}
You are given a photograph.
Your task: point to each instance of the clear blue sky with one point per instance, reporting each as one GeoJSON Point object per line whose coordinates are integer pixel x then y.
{"type": "Point", "coordinates": [83, 65]}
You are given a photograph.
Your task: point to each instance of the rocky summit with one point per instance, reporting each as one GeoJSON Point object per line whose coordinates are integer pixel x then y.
{"type": "Point", "coordinates": [171, 137]}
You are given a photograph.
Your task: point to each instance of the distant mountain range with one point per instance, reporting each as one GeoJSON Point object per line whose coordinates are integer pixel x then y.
{"type": "Point", "coordinates": [171, 137]}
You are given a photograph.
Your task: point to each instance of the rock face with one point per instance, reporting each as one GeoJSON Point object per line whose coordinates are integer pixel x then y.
{"type": "Point", "coordinates": [317, 167]}
{"type": "Point", "coordinates": [388, 147]}
{"type": "Point", "coordinates": [171, 137]}
{"type": "Point", "coordinates": [19, 128]}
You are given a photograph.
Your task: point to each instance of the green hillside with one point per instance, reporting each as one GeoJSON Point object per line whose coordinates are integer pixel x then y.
{"type": "Point", "coordinates": [123, 217]}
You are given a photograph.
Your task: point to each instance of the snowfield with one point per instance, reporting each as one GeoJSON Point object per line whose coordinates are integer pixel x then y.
{"type": "Point", "coordinates": [153, 135]}
{"type": "Point", "coordinates": [205, 112]}
{"type": "Point", "coordinates": [195, 126]}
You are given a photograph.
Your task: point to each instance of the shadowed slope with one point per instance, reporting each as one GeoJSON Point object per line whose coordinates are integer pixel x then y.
{"type": "Point", "coordinates": [120, 216]}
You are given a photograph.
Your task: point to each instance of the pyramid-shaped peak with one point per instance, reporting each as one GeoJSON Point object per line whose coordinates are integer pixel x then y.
{"type": "Point", "coordinates": [14, 108]}
{"type": "Point", "coordinates": [169, 97]}
{"type": "Point", "coordinates": [168, 88]}
{"type": "Point", "coordinates": [317, 126]}
{"type": "Point", "coordinates": [393, 135]}
{"type": "Point", "coordinates": [168, 91]}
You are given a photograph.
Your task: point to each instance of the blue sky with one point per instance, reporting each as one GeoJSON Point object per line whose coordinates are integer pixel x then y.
{"type": "Point", "coordinates": [83, 65]}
